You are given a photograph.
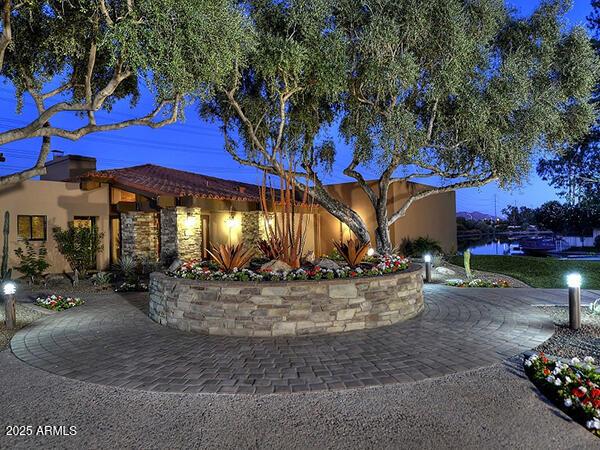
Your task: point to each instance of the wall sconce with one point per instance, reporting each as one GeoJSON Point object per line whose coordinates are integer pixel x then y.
{"type": "Point", "coordinates": [190, 221]}
{"type": "Point", "coordinates": [231, 222]}
{"type": "Point", "coordinates": [371, 251]}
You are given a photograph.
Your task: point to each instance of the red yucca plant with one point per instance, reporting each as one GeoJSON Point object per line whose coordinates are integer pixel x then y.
{"type": "Point", "coordinates": [285, 219]}
{"type": "Point", "coordinates": [228, 257]}
{"type": "Point", "coordinates": [352, 251]}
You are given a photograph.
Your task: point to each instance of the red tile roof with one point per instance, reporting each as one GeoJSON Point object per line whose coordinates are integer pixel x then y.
{"type": "Point", "coordinates": [156, 180]}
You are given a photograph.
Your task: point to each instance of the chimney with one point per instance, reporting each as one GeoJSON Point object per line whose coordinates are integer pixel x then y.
{"type": "Point", "coordinates": [68, 167]}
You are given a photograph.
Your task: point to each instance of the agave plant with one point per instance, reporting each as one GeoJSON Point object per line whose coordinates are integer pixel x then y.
{"type": "Point", "coordinates": [595, 307]}
{"type": "Point", "coordinates": [353, 251]}
{"type": "Point", "coordinates": [127, 267]}
{"type": "Point", "coordinates": [272, 248]}
{"type": "Point", "coordinates": [230, 257]}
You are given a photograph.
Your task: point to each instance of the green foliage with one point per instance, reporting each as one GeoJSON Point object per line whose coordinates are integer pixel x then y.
{"type": "Point", "coordinates": [420, 246]}
{"type": "Point", "coordinates": [79, 246]}
{"type": "Point", "coordinates": [595, 307]}
{"type": "Point", "coordinates": [102, 279]}
{"type": "Point", "coordinates": [467, 263]}
{"type": "Point", "coordinates": [33, 261]}
{"type": "Point", "coordinates": [537, 272]}
{"type": "Point", "coordinates": [5, 272]}
{"type": "Point", "coordinates": [127, 267]}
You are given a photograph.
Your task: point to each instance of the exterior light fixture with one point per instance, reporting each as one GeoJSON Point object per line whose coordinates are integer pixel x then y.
{"type": "Point", "coordinates": [190, 221]}
{"type": "Point", "coordinates": [427, 259]}
{"type": "Point", "coordinates": [574, 283]}
{"type": "Point", "coordinates": [371, 251]}
{"type": "Point", "coordinates": [230, 222]}
{"type": "Point", "coordinates": [10, 315]}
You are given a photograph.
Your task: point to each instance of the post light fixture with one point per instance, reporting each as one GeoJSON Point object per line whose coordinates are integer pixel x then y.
{"type": "Point", "coordinates": [10, 315]}
{"type": "Point", "coordinates": [574, 283]}
{"type": "Point", "coordinates": [427, 259]}
{"type": "Point", "coordinates": [371, 251]}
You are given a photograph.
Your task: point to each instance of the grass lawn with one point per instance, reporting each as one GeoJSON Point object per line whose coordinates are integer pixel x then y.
{"type": "Point", "coordinates": [536, 272]}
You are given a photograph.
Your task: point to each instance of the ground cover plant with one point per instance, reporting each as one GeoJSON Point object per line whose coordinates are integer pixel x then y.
{"type": "Point", "coordinates": [58, 302]}
{"type": "Point", "coordinates": [478, 283]}
{"type": "Point", "coordinates": [574, 387]}
{"type": "Point", "coordinates": [536, 272]}
{"type": "Point", "coordinates": [206, 270]}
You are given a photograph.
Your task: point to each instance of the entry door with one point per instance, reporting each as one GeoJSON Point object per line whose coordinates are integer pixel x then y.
{"type": "Point", "coordinates": [205, 236]}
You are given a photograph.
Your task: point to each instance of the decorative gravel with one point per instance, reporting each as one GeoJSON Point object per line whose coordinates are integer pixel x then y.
{"type": "Point", "coordinates": [568, 343]}
{"type": "Point", "coordinates": [25, 316]}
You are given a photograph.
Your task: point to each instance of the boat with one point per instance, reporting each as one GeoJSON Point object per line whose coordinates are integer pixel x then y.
{"type": "Point", "coordinates": [538, 245]}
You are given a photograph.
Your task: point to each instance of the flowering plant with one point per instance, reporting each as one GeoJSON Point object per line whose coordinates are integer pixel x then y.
{"type": "Point", "coordinates": [478, 283]}
{"type": "Point", "coordinates": [573, 386]}
{"type": "Point", "coordinates": [202, 270]}
{"type": "Point", "coordinates": [138, 286]}
{"type": "Point", "coordinates": [58, 302]}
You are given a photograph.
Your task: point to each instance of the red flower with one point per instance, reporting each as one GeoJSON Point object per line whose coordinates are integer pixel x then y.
{"type": "Point", "coordinates": [546, 371]}
{"type": "Point", "coordinates": [577, 392]}
{"type": "Point", "coordinates": [596, 403]}
{"type": "Point", "coordinates": [595, 393]}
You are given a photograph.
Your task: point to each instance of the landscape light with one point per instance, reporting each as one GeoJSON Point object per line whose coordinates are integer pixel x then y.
{"type": "Point", "coordinates": [371, 251]}
{"type": "Point", "coordinates": [574, 283]}
{"type": "Point", "coordinates": [427, 259]}
{"type": "Point", "coordinates": [574, 280]}
{"type": "Point", "coordinates": [10, 288]}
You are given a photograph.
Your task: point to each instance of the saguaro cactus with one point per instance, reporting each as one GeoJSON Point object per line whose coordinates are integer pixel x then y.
{"type": "Point", "coordinates": [4, 272]}
{"type": "Point", "coordinates": [467, 263]}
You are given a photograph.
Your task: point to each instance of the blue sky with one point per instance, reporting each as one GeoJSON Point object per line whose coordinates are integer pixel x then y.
{"type": "Point", "coordinates": [198, 146]}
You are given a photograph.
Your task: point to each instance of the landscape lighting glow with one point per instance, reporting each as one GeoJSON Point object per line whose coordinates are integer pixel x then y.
{"type": "Point", "coordinates": [10, 288]}
{"type": "Point", "coordinates": [574, 280]}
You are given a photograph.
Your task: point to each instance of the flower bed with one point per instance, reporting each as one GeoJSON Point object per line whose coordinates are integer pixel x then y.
{"type": "Point", "coordinates": [58, 302]}
{"type": "Point", "coordinates": [204, 270]}
{"type": "Point", "coordinates": [574, 387]}
{"type": "Point", "coordinates": [478, 283]}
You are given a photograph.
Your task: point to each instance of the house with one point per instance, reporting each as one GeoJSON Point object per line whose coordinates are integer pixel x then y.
{"type": "Point", "coordinates": [157, 213]}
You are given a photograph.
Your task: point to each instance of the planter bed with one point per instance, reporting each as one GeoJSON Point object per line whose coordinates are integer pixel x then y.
{"type": "Point", "coordinates": [285, 308]}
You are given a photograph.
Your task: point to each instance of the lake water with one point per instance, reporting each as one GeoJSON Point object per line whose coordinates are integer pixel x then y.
{"type": "Point", "coordinates": [511, 248]}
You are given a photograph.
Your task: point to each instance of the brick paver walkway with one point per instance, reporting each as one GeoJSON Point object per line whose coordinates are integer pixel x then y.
{"type": "Point", "coordinates": [111, 341]}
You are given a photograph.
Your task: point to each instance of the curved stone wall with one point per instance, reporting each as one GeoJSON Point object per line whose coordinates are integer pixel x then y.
{"type": "Point", "coordinates": [285, 308]}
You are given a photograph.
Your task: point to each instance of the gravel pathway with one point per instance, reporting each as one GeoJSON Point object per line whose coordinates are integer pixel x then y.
{"type": "Point", "coordinates": [25, 316]}
{"type": "Point", "coordinates": [568, 343]}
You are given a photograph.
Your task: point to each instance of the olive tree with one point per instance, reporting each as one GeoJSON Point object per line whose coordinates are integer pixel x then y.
{"type": "Point", "coordinates": [460, 91]}
{"type": "Point", "coordinates": [79, 57]}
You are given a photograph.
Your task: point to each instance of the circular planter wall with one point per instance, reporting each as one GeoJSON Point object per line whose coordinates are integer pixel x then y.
{"type": "Point", "coordinates": [262, 309]}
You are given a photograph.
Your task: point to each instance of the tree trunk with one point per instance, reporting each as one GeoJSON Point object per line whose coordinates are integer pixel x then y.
{"type": "Point", "coordinates": [382, 232]}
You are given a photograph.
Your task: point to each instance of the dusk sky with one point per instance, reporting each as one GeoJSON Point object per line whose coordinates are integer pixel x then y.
{"type": "Point", "coordinates": [198, 146]}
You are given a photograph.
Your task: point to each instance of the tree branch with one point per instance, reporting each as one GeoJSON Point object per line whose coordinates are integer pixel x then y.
{"type": "Point", "coordinates": [6, 36]}
{"type": "Point", "coordinates": [38, 169]}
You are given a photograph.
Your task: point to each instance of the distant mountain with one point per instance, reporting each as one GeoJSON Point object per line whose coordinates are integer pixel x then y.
{"type": "Point", "coordinates": [475, 215]}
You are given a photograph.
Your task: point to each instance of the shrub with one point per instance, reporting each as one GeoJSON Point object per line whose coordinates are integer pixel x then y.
{"type": "Point", "coordinates": [102, 278]}
{"type": "Point", "coordinates": [127, 267]}
{"type": "Point", "coordinates": [421, 246]}
{"type": "Point", "coordinates": [352, 251]}
{"type": "Point", "coordinates": [79, 246]}
{"type": "Point", "coordinates": [33, 263]}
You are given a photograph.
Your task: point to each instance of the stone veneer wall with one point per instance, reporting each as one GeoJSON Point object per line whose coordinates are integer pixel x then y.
{"type": "Point", "coordinates": [251, 232]}
{"type": "Point", "coordinates": [180, 233]}
{"type": "Point", "coordinates": [139, 235]}
{"type": "Point", "coordinates": [285, 308]}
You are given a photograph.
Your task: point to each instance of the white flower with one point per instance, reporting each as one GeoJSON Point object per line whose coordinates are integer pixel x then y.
{"type": "Point", "coordinates": [575, 361]}
{"type": "Point", "coordinates": [533, 357]}
{"type": "Point", "coordinates": [528, 363]}
{"type": "Point", "coordinates": [593, 424]}
{"type": "Point", "coordinates": [550, 378]}
{"type": "Point", "coordinates": [557, 382]}
{"type": "Point", "coordinates": [568, 402]}
{"type": "Point", "coordinates": [556, 370]}
{"type": "Point", "coordinates": [588, 359]}
{"type": "Point", "coordinates": [567, 380]}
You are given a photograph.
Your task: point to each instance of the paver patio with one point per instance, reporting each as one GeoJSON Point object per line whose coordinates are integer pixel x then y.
{"type": "Point", "coordinates": [111, 341]}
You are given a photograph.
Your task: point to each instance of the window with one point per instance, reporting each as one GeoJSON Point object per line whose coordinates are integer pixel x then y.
{"type": "Point", "coordinates": [32, 228]}
{"type": "Point", "coordinates": [84, 221]}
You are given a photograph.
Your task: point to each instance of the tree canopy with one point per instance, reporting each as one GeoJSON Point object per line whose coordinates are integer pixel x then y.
{"type": "Point", "coordinates": [83, 56]}
{"type": "Point", "coordinates": [461, 91]}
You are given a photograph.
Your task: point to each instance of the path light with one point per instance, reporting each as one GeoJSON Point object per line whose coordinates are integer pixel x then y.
{"type": "Point", "coordinates": [10, 315]}
{"type": "Point", "coordinates": [574, 283]}
{"type": "Point", "coordinates": [371, 251]}
{"type": "Point", "coordinates": [427, 259]}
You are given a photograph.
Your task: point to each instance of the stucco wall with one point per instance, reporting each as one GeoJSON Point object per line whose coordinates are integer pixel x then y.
{"type": "Point", "coordinates": [433, 216]}
{"type": "Point", "coordinates": [60, 202]}
{"type": "Point", "coordinates": [292, 308]}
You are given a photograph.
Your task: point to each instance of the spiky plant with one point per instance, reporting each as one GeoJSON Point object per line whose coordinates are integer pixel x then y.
{"type": "Point", "coordinates": [353, 251]}
{"type": "Point", "coordinates": [272, 247]}
{"type": "Point", "coordinates": [229, 257]}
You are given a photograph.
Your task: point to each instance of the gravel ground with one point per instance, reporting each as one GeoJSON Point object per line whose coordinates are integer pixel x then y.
{"type": "Point", "coordinates": [496, 407]}
{"type": "Point", "coordinates": [568, 343]}
{"type": "Point", "coordinates": [25, 316]}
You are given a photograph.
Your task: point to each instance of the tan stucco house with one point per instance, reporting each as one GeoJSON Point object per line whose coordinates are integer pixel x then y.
{"type": "Point", "coordinates": [153, 212]}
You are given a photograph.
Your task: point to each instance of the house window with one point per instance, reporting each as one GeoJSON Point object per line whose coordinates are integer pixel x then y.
{"type": "Point", "coordinates": [84, 221]}
{"type": "Point", "coordinates": [32, 228]}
